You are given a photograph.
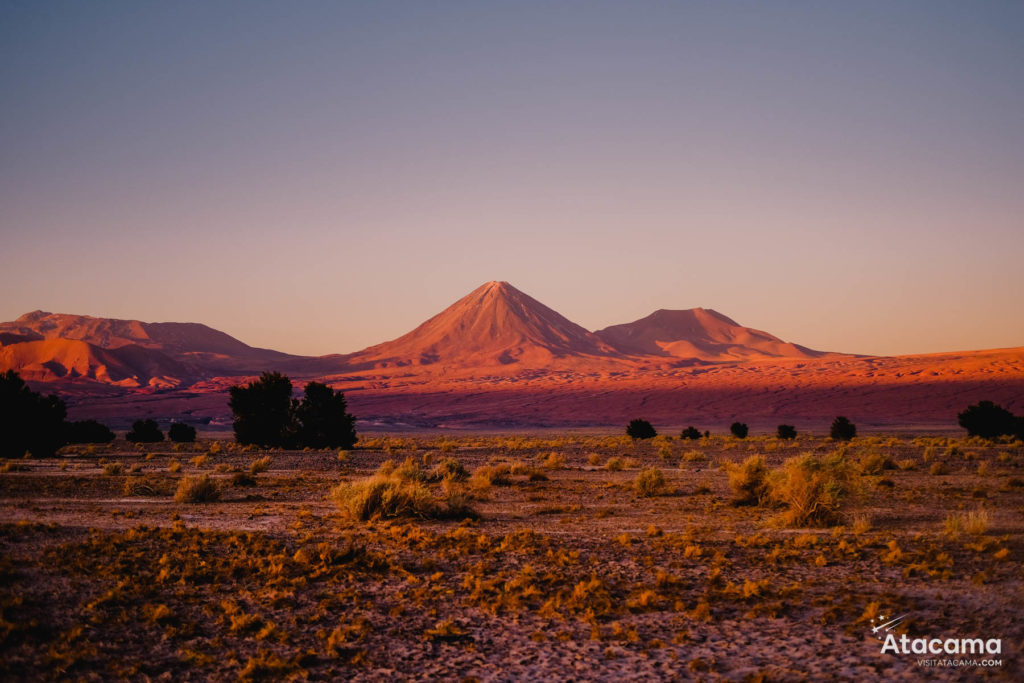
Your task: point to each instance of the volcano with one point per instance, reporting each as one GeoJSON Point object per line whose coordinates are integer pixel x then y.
{"type": "Point", "coordinates": [495, 325]}
{"type": "Point", "coordinates": [699, 333]}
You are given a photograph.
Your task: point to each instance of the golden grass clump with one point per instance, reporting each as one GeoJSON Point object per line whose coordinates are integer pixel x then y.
{"type": "Point", "coordinates": [113, 468]}
{"type": "Point", "coordinates": [938, 469]}
{"type": "Point", "coordinates": [813, 489]}
{"type": "Point", "coordinates": [973, 523]}
{"type": "Point", "coordinates": [390, 497]}
{"type": "Point", "coordinates": [649, 482]}
{"type": "Point", "coordinates": [199, 489]}
{"type": "Point", "coordinates": [615, 464]}
{"type": "Point", "coordinates": [260, 465]}
{"type": "Point", "coordinates": [748, 480]}
{"type": "Point", "coordinates": [554, 461]}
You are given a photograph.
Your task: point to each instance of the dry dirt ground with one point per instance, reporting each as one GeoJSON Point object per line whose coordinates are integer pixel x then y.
{"type": "Point", "coordinates": [567, 574]}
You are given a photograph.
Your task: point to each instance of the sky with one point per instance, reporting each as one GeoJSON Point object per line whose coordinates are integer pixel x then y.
{"type": "Point", "coordinates": [317, 177]}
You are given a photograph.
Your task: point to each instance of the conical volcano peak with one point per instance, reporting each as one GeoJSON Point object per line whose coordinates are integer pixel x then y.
{"type": "Point", "coordinates": [495, 324]}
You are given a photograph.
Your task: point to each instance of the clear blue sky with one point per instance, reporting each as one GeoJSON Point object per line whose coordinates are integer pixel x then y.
{"type": "Point", "coordinates": [320, 176]}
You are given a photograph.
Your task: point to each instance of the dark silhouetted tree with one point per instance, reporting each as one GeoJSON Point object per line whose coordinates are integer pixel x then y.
{"type": "Point", "coordinates": [690, 433]}
{"type": "Point", "coordinates": [29, 421]}
{"type": "Point", "coordinates": [181, 433]}
{"type": "Point", "coordinates": [144, 431]}
{"type": "Point", "coordinates": [641, 429]}
{"type": "Point", "coordinates": [739, 430]}
{"type": "Point", "coordinates": [785, 432]}
{"type": "Point", "coordinates": [842, 429]}
{"type": "Point", "coordinates": [322, 419]}
{"type": "Point", "coordinates": [263, 411]}
{"type": "Point", "coordinates": [87, 431]}
{"type": "Point", "coordinates": [987, 420]}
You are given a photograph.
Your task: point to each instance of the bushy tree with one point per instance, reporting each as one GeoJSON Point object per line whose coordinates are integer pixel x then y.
{"type": "Point", "coordinates": [786, 432]}
{"type": "Point", "coordinates": [987, 420]}
{"type": "Point", "coordinates": [322, 419]}
{"type": "Point", "coordinates": [29, 421]}
{"type": "Point", "coordinates": [145, 431]}
{"type": "Point", "coordinates": [181, 433]}
{"type": "Point", "coordinates": [87, 431]}
{"type": "Point", "coordinates": [640, 429]}
{"type": "Point", "coordinates": [266, 414]}
{"type": "Point", "coordinates": [842, 429]}
{"type": "Point", "coordinates": [739, 430]}
{"type": "Point", "coordinates": [690, 433]}
{"type": "Point", "coordinates": [263, 410]}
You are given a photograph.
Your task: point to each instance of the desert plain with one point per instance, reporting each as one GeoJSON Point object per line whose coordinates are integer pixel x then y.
{"type": "Point", "coordinates": [564, 558]}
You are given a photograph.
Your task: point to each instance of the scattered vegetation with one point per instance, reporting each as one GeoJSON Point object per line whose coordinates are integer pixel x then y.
{"type": "Point", "coordinates": [691, 433]}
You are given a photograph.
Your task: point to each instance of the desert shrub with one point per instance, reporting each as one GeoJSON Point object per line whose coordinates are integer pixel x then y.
{"type": "Point", "coordinates": [144, 431]}
{"type": "Point", "coordinates": [842, 429]}
{"type": "Point", "coordinates": [691, 433]}
{"type": "Point", "coordinates": [615, 464]}
{"type": "Point", "coordinates": [486, 476]}
{"type": "Point", "coordinates": [28, 421]}
{"type": "Point", "coordinates": [739, 430]}
{"type": "Point", "coordinates": [450, 469]}
{"type": "Point", "coordinates": [812, 489]}
{"type": "Point", "coordinates": [554, 461]}
{"type": "Point", "coordinates": [181, 433]}
{"type": "Point", "coordinates": [987, 420]}
{"type": "Point", "coordinates": [200, 489]}
{"type": "Point", "coordinates": [649, 482]}
{"type": "Point", "coordinates": [785, 432]}
{"type": "Point", "coordinates": [260, 465]}
{"type": "Point", "coordinates": [243, 479]}
{"type": "Point", "coordinates": [388, 497]}
{"type": "Point", "coordinates": [748, 480]}
{"type": "Point", "coordinates": [87, 431]}
{"type": "Point", "coordinates": [975, 523]}
{"type": "Point", "coordinates": [938, 469]}
{"type": "Point", "coordinates": [140, 486]}
{"type": "Point", "coordinates": [113, 468]}
{"type": "Point", "coordinates": [874, 463]}
{"type": "Point", "coordinates": [410, 470]}
{"type": "Point", "coordinates": [640, 429]}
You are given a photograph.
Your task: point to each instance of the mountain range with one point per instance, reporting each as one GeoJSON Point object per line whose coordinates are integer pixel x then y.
{"type": "Point", "coordinates": [499, 358]}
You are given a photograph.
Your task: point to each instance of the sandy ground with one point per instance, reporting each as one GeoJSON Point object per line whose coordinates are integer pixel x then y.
{"type": "Point", "coordinates": [568, 574]}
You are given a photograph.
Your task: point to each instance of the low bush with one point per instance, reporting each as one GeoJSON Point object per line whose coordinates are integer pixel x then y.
{"type": "Point", "coordinates": [181, 433]}
{"type": "Point", "coordinates": [785, 432]}
{"type": "Point", "coordinates": [200, 489]}
{"type": "Point", "coordinates": [748, 480]}
{"type": "Point", "coordinates": [812, 489]}
{"type": "Point", "coordinates": [260, 465]}
{"type": "Point", "coordinates": [649, 482]}
{"type": "Point", "coordinates": [690, 433]}
{"type": "Point", "coordinates": [842, 429]}
{"type": "Point", "coordinates": [390, 497]}
{"type": "Point", "coordinates": [640, 429]}
{"type": "Point", "coordinates": [144, 431]}
{"type": "Point", "coordinates": [739, 430]}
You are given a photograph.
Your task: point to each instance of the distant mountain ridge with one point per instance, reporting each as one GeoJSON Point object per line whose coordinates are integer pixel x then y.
{"type": "Point", "coordinates": [700, 333]}
{"type": "Point", "coordinates": [495, 328]}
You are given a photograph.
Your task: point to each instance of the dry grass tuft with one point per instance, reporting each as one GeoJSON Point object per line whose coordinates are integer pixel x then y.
{"type": "Point", "coordinates": [748, 480]}
{"type": "Point", "coordinates": [199, 489]}
{"type": "Point", "coordinates": [649, 482]}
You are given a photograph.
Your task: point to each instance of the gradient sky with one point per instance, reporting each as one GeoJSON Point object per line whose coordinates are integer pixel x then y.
{"type": "Point", "coordinates": [317, 177]}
